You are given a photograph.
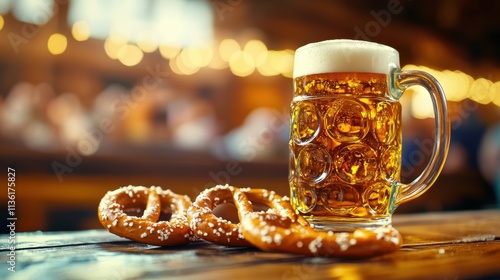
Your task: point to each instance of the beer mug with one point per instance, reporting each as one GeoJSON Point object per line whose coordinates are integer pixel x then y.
{"type": "Point", "coordinates": [346, 134]}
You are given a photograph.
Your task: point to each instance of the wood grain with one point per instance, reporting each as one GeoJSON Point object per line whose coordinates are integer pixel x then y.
{"type": "Point", "coordinates": [460, 245]}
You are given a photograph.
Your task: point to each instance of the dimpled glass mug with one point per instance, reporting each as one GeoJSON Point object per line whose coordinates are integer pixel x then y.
{"type": "Point", "coordinates": [346, 134]}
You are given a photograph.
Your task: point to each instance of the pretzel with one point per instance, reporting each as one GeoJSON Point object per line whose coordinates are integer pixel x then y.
{"type": "Point", "coordinates": [280, 229]}
{"type": "Point", "coordinates": [147, 228]}
{"type": "Point", "coordinates": [206, 225]}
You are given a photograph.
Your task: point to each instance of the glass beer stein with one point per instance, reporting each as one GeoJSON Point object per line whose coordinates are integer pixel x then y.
{"type": "Point", "coordinates": [346, 135]}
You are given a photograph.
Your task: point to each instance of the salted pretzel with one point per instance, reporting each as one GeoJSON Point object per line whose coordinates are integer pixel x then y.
{"type": "Point", "coordinates": [210, 227]}
{"type": "Point", "coordinates": [148, 228]}
{"type": "Point", "coordinates": [279, 229]}
{"type": "Point", "coordinates": [207, 226]}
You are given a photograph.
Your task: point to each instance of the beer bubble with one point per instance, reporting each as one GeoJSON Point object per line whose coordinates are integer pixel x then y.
{"type": "Point", "coordinates": [356, 163]}
{"type": "Point", "coordinates": [377, 197]}
{"type": "Point", "coordinates": [305, 122]}
{"type": "Point", "coordinates": [304, 196]}
{"type": "Point", "coordinates": [313, 163]}
{"type": "Point", "coordinates": [384, 124]}
{"type": "Point", "coordinates": [346, 120]}
{"type": "Point", "coordinates": [339, 198]}
{"type": "Point", "coordinates": [390, 163]}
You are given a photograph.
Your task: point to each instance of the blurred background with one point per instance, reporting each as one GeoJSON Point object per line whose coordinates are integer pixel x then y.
{"type": "Point", "coordinates": [187, 94]}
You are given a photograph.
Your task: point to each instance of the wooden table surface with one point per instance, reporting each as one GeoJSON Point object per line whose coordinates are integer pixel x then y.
{"type": "Point", "coordinates": [455, 245]}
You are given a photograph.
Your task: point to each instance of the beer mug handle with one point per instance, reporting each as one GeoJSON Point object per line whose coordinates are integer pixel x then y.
{"type": "Point", "coordinates": [401, 81]}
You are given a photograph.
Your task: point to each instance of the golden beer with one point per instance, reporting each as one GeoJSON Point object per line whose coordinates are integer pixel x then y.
{"type": "Point", "coordinates": [345, 146]}
{"type": "Point", "coordinates": [346, 134]}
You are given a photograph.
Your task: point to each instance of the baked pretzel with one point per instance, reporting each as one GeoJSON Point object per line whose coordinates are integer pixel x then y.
{"type": "Point", "coordinates": [210, 227]}
{"type": "Point", "coordinates": [207, 226]}
{"type": "Point", "coordinates": [280, 229]}
{"type": "Point", "coordinates": [146, 228]}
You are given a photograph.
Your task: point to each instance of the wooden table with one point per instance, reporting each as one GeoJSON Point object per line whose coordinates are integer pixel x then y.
{"type": "Point", "coordinates": [456, 245]}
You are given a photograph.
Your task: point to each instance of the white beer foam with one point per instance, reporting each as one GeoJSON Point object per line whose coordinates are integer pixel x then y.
{"type": "Point", "coordinates": [344, 56]}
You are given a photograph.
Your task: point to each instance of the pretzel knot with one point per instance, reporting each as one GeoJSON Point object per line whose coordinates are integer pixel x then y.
{"type": "Point", "coordinates": [148, 228]}
{"type": "Point", "coordinates": [206, 225]}
{"type": "Point", "coordinates": [280, 229]}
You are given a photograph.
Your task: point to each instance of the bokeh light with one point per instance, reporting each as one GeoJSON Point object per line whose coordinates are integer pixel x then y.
{"type": "Point", "coordinates": [227, 48]}
{"type": "Point", "coordinates": [80, 30]}
{"type": "Point", "coordinates": [241, 64]}
{"type": "Point", "coordinates": [129, 55]}
{"type": "Point", "coordinates": [57, 43]}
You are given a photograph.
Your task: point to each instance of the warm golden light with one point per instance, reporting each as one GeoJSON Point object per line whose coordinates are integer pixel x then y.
{"type": "Point", "coordinates": [2, 22]}
{"type": "Point", "coordinates": [57, 43]}
{"type": "Point", "coordinates": [129, 55]}
{"type": "Point", "coordinates": [345, 272]}
{"type": "Point", "coordinates": [227, 48]}
{"type": "Point", "coordinates": [459, 86]}
{"type": "Point", "coordinates": [482, 91]}
{"type": "Point", "coordinates": [183, 65]}
{"type": "Point", "coordinates": [461, 82]}
{"type": "Point", "coordinates": [80, 30]}
{"type": "Point", "coordinates": [286, 63]}
{"type": "Point", "coordinates": [146, 42]}
{"type": "Point", "coordinates": [276, 62]}
{"type": "Point", "coordinates": [113, 44]}
{"type": "Point", "coordinates": [257, 49]}
{"type": "Point", "coordinates": [199, 57]}
{"type": "Point", "coordinates": [217, 61]}
{"type": "Point", "coordinates": [241, 64]}
{"type": "Point", "coordinates": [187, 61]}
{"type": "Point", "coordinates": [266, 64]}
{"type": "Point", "coordinates": [421, 104]}
{"type": "Point", "coordinates": [168, 51]}
{"type": "Point", "coordinates": [173, 66]}
{"type": "Point", "coordinates": [496, 96]}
